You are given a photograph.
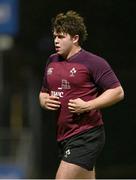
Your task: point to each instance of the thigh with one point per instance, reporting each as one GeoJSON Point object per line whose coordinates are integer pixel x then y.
{"type": "Point", "coordinates": [83, 150]}
{"type": "Point", "coordinates": [71, 171]}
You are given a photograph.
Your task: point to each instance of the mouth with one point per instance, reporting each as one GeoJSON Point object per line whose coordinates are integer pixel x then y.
{"type": "Point", "coordinates": [57, 48]}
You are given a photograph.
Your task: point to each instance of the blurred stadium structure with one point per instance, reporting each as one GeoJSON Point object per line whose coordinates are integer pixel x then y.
{"type": "Point", "coordinates": [27, 133]}
{"type": "Point", "coordinates": [17, 149]}
{"type": "Point", "coordinates": [16, 154]}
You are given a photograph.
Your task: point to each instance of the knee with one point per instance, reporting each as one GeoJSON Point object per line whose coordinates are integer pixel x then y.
{"type": "Point", "coordinates": [59, 175]}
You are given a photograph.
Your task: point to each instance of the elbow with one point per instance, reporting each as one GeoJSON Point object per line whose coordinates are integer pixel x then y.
{"type": "Point", "coordinates": [121, 94]}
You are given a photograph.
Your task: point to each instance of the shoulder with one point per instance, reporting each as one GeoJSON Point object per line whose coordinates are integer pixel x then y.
{"type": "Point", "coordinates": [92, 60]}
{"type": "Point", "coordinates": [92, 57]}
{"type": "Point", "coordinates": [52, 58]}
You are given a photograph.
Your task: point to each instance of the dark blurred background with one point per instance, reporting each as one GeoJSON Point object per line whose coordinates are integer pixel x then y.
{"type": "Point", "coordinates": [28, 148]}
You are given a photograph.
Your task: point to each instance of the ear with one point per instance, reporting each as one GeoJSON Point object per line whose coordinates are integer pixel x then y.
{"type": "Point", "coordinates": [75, 39]}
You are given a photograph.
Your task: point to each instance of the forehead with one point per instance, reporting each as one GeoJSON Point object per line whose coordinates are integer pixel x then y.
{"type": "Point", "coordinates": [60, 33]}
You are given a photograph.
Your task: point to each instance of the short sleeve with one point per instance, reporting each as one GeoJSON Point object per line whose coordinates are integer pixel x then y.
{"type": "Point", "coordinates": [44, 87]}
{"type": "Point", "coordinates": [103, 75]}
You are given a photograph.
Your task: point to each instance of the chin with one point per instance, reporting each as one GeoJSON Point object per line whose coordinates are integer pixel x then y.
{"type": "Point", "coordinates": [61, 54]}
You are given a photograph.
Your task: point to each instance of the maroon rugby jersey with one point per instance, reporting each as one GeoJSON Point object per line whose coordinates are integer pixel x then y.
{"type": "Point", "coordinates": [84, 75]}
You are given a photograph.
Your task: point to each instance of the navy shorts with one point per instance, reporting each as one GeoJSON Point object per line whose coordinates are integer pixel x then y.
{"type": "Point", "coordinates": [83, 149]}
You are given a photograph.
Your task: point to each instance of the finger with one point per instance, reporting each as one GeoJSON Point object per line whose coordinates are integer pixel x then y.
{"type": "Point", "coordinates": [54, 109]}
{"type": "Point", "coordinates": [72, 111]}
{"type": "Point", "coordinates": [71, 105]}
{"type": "Point", "coordinates": [54, 97]}
{"type": "Point", "coordinates": [53, 105]}
{"type": "Point", "coordinates": [71, 101]}
{"type": "Point", "coordinates": [54, 102]}
{"type": "Point", "coordinates": [71, 108]}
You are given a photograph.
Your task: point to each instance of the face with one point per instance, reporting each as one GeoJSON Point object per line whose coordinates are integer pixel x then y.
{"type": "Point", "coordinates": [63, 43]}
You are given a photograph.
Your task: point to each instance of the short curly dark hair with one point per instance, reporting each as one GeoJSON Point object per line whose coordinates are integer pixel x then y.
{"type": "Point", "coordinates": [72, 23]}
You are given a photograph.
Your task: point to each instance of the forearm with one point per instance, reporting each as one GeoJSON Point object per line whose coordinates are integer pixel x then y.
{"type": "Point", "coordinates": [106, 99]}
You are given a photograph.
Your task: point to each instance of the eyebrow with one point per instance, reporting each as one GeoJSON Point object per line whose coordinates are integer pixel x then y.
{"type": "Point", "coordinates": [59, 35]}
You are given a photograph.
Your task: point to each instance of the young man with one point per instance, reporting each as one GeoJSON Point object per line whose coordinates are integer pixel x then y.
{"type": "Point", "coordinates": [77, 84]}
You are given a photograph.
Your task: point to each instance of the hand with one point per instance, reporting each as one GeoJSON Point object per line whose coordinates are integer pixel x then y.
{"type": "Point", "coordinates": [78, 106]}
{"type": "Point", "coordinates": [49, 102]}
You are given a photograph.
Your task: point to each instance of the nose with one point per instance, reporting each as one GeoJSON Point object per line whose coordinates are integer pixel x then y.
{"type": "Point", "coordinates": [56, 40]}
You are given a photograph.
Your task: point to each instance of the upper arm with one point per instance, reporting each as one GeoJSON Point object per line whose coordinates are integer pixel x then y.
{"type": "Point", "coordinates": [103, 75]}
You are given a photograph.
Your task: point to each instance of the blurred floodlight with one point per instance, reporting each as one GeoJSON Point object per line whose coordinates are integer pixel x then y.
{"type": "Point", "coordinates": [5, 13]}
{"type": "Point", "coordinates": [9, 17]}
{"type": "Point", "coordinates": [6, 42]}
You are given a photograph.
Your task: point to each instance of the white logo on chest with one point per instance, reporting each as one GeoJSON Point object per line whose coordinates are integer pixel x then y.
{"type": "Point", "coordinates": [73, 72]}
{"type": "Point", "coordinates": [57, 93]}
{"type": "Point", "coordinates": [50, 71]}
{"type": "Point", "coordinates": [65, 84]}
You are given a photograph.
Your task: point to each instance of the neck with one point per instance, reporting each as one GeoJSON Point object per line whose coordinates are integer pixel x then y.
{"type": "Point", "coordinates": [73, 51]}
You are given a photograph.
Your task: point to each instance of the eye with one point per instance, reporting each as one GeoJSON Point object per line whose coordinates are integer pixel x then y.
{"type": "Point", "coordinates": [61, 36]}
